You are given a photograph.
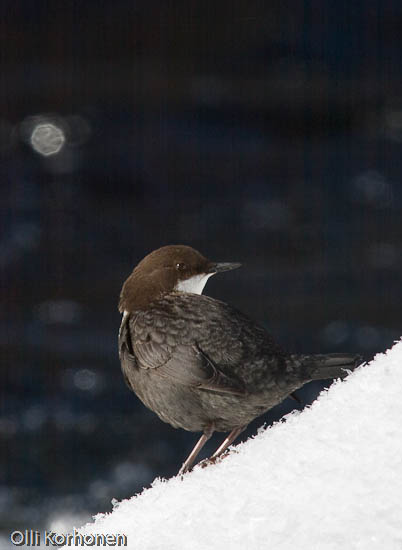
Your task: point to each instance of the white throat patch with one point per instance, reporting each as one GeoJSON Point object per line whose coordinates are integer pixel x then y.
{"type": "Point", "coordinates": [194, 285]}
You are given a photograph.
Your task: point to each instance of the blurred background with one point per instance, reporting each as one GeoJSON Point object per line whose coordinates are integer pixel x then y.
{"type": "Point", "coordinates": [268, 133]}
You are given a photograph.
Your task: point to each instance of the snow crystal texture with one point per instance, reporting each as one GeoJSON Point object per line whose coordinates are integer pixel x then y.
{"type": "Point", "coordinates": [327, 478]}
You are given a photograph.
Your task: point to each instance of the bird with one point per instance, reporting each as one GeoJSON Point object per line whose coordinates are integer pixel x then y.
{"type": "Point", "coordinates": [199, 363]}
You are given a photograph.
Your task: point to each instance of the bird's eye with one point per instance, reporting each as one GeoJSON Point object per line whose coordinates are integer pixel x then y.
{"type": "Point", "coordinates": [180, 266]}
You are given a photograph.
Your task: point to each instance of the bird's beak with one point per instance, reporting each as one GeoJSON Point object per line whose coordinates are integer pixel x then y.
{"type": "Point", "coordinates": [225, 266]}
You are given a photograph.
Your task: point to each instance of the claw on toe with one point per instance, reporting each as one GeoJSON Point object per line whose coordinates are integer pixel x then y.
{"type": "Point", "coordinates": [213, 459]}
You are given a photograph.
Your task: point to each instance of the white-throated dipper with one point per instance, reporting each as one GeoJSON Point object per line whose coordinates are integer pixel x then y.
{"type": "Point", "coordinates": [198, 363]}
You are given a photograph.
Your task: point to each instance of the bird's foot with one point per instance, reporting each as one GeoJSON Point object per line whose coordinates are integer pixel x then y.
{"type": "Point", "coordinates": [203, 464]}
{"type": "Point", "coordinates": [213, 459]}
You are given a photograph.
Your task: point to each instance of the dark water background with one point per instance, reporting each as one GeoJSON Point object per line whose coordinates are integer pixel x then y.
{"type": "Point", "coordinates": [268, 133]}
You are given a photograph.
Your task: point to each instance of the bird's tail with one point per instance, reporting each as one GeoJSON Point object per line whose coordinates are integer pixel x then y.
{"type": "Point", "coordinates": [330, 365]}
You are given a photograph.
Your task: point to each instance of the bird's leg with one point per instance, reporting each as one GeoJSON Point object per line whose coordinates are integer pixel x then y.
{"type": "Point", "coordinates": [234, 434]}
{"type": "Point", "coordinates": [224, 445]}
{"type": "Point", "coordinates": [187, 464]}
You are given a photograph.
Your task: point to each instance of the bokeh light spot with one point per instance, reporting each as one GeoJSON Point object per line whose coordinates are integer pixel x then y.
{"type": "Point", "coordinates": [85, 380]}
{"type": "Point", "coordinates": [47, 139]}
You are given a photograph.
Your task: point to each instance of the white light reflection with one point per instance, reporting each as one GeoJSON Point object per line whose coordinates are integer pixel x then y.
{"type": "Point", "coordinates": [47, 138]}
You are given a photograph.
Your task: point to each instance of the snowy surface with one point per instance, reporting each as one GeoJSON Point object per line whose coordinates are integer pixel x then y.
{"type": "Point", "coordinates": [327, 478]}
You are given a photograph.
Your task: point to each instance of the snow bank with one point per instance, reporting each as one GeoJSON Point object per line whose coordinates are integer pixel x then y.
{"type": "Point", "coordinates": [327, 478]}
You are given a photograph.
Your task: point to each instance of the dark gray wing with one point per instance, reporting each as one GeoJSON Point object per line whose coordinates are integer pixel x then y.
{"type": "Point", "coordinates": [159, 344]}
{"type": "Point", "coordinates": [126, 354]}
